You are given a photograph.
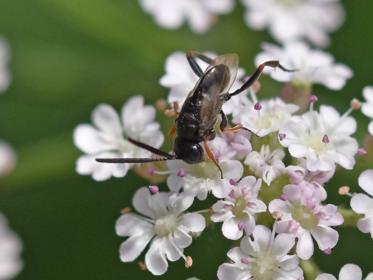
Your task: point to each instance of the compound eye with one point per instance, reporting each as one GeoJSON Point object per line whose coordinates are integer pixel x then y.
{"type": "Point", "coordinates": [196, 154]}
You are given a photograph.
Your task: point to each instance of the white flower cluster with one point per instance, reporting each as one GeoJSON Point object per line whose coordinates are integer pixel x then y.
{"type": "Point", "coordinates": [280, 168]}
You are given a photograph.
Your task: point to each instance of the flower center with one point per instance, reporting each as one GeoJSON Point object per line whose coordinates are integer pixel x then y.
{"type": "Point", "coordinates": [165, 225]}
{"type": "Point", "coordinates": [304, 216]}
{"type": "Point", "coordinates": [239, 208]}
{"type": "Point", "coordinates": [264, 120]}
{"type": "Point", "coordinates": [289, 2]}
{"type": "Point", "coordinates": [264, 265]}
{"type": "Point", "coordinates": [204, 170]}
{"type": "Point", "coordinates": [315, 142]}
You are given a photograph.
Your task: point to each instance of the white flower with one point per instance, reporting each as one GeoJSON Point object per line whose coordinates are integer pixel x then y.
{"type": "Point", "coordinates": [106, 138]}
{"type": "Point", "coordinates": [272, 115]}
{"type": "Point", "coordinates": [199, 14]}
{"type": "Point", "coordinates": [162, 222]}
{"type": "Point", "coordinates": [10, 250]}
{"type": "Point", "coordinates": [262, 257]}
{"type": "Point", "coordinates": [266, 164]}
{"type": "Point", "coordinates": [367, 107]}
{"type": "Point", "coordinates": [202, 178]}
{"type": "Point", "coordinates": [302, 215]}
{"type": "Point", "coordinates": [323, 139]}
{"type": "Point", "coordinates": [348, 272]}
{"type": "Point", "coordinates": [312, 66]}
{"type": "Point", "coordinates": [363, 204]}
{"type": "Point", "coordinates": [288, 20]}
{"type": "Point", "coordinates": [237, 211]}
{"type": "Point", "coordinates": [7, 158]}
{"type": "Point", "coordinates": [5, 76]}
{"type": "Point", "coordinates": [180, 79]}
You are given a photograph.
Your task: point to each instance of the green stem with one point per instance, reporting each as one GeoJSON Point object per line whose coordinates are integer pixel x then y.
{"type": "Point", "coordinates": [349, 216]}
{"type": "Point", "coordinates": [310, 269]}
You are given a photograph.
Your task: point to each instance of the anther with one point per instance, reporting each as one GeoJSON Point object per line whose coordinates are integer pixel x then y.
{"type": "Point", "coordinates": [151, 171]}
{"type": "Point", "coordinates": [258, 106]}
{"type": "Point", "coordinates": [355, 104]}
{"type": "Point", "coordinates": [232, 182]}
{"type": "Point", "coordinates": [245, 260]}
{"type": "Point", "coordinates": [276, 215]}
{"type": "Point", "coordinates": [361, 151]}
{"type": "Point", "coordinates": [142, 266]}
{"type": "Point", "coordinates": [188, 262]}
{"type": "Point", "coordinates": [181, 173]}
{"type": "Point", "coordinates": [153, 189]}
{"type": "Point", "coordinates": [161, 104]}
{"type": "Point", "coordinates": [325, 139]}
{"type": "Point", "coordinates": [281, 136]}
{"type": "Point", "coordinates": [241, 226]}
{"type": "Point", "coordinates": [126, 210]}
{"type": "Point", "coordinates": [313, 98]}
{"type": "Point", "coordinates": [284, 197]}
{"type": "Point", "coordinates": [345, 190]}
{"type": "Point", "coordinates": [327, 251]}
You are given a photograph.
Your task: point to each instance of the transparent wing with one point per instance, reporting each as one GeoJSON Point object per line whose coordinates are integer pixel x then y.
{"type": "Point", "coordinates": [230, 60]}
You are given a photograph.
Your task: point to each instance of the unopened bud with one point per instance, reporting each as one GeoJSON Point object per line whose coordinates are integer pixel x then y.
{"type": "Point", "coordinates": [188, 262]}
{"type": "Point", "coordinates": [181, 173]}
{"type": "Point", "coordinates": [355, 104]}
{"type": "Point", "coordinates": [313, 98]}
{"type": "Point", "coordinates": [361, 151]}
{"type": "Point", "coordinates": [344, 190]}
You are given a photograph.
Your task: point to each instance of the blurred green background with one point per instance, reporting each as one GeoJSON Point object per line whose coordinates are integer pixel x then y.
{"type": "Point", "coordinates": [70, 55]}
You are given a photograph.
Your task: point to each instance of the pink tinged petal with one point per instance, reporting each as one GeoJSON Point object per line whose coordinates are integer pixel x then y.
{"type": "Point", "coordinates": [174, 183]}
{"type": "Point", "coordinates": [222, 188]}
{"type": "Point", "coordinates": [232, 169]}
{"type": "Point", "coordinates": [262, 237]}
{"type": "Point", "coordinates": [361, 203]}
{"type": "Point", "coordinates": [366, 181]}
{"type": "Point", "coordinates": [326, 237]}
{"type": "Point", "coordinates": [325, 276]}
{"type": "Point", "coordinates": [155, 259]}
{"type": "Point", "coordinates": [350, 272]}
{"type": "Point", "coordinates": [305, 246]}
{"type": "Point", "coordinates": [231, 229]}
{"type": "Point", "coordinates": [131, 224]}
{"type": "Point", "coordinates": [365, 225]}
{"type": "Point", "coordinates": [194, 222]}
{"type": "Point", "coordinates": [133, 246]}
{"type": "Point", "coordinates": [228, 271]}
{"type": "Point", "coordinates": [141, 201]}
{"type": "Point", "coordinates": [278, 205]}
{"type": "Point", "coordinates": [283, 244]}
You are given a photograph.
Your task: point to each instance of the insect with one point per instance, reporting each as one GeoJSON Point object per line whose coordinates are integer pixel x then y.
{"type": "Point", "coordinates": [194, 125]}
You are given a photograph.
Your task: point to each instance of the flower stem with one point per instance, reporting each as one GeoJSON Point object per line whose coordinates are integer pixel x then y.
{"type": "Point", "coordinates": [349, 216]}
{"type": "Point", "coordinates": [310, 269]}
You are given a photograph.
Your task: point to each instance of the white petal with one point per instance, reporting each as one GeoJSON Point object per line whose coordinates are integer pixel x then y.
{"type": "Point", "coordinates": [282, 244]}
{"type": "Point", "coordinates": [193, 222]}
{"type": "Point", "coordinates": [366, 181]}
{"type": "Point", "coordinates": [350, 272]}
{"type": "Point", "coordinates": [133, 246]}
{"type": "Point", "coordinates": [235, 254]}
{"type": "Point", "coordinates": [365, 225]}
{"type": "Point", "coordinates": [181, 238]}
{"type": "Point", "coordinates": [325, 276]}
{"type": "Point", "coordinates": [247, 246]}
{"type": "Point", "coordinates": [361, 203]}
{"type": "Point", "coordinates": [230, 229]}
{"type": "Point", "coordinates": [369, 276]}
{"type": "Point", "coordinates": [141, 201]}
{"type": "Point", "coordinates": [305, 246]}
{"type": "Point", "coordinates": [107, 120]}
{"type": "Point", "coordinates": [262, 237]}
{"type": "Point", "coordinates": [155, 259]}
{"type": "Point", "coordinates": [228, 271]}
{"type": "Point", "coordinates": [89, 140]}
{"type": "Point", "coordinates": [130, 224]}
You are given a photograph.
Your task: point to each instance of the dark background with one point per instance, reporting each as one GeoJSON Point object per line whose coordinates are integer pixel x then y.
{"type": "Point", "coordinates": [70, 55]}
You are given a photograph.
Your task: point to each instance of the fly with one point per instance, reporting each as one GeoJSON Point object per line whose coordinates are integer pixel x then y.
{"type": "Point", "coordinates": [194, 125]}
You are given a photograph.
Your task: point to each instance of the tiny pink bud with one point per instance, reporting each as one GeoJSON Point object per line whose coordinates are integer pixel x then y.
{"type": "Point", "coordinates": [153, 189]}
{"type": "Point", "coordinates": [245, 260]}
{"type": "Point", "coordinates": [151, 171]}
{"type": "Point", "coordinates": [361, 151]}
{"type": "Point", "coordinates": [241, 226]}
{"type": "Point", "coordinates": [281, 136]}
{"type": "Point", "coordinates": [344, 190]}
{"type": "Point", "coordinates": [232, 182]}
{"type": "Point", "coordinates": [325, 139]}
{"type": "Point", "coordinates": [313, 98]}
{"type": "Point", "coordinates": [276, 215]}
{"type": "Point", "coordinates": [328, 251]}
{"type": "Point", "coordinates": [181, 173]}
{"type": "Point", "coordinates": [258, 106]}
{"type": "Point", "coordinates": [188, 262]}
{"type": "Point", "coordinates": [284, 197]}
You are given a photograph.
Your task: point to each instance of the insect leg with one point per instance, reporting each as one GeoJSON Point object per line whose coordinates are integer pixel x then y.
{"type": "Point", "coordinates": [191, 57]}
{"type": "Point", "coordinates": [172, 133]}
{"type": "Point", "coordinates": [211, 156]}
{"type": "Point", "coordinates": [257, 73]}
{"type": "Point", "coordinates": [224, 121]}
{"type": "Point", "coordinates": [174, 111]}
{"type": "Point", "coordinates": [150, 149]}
